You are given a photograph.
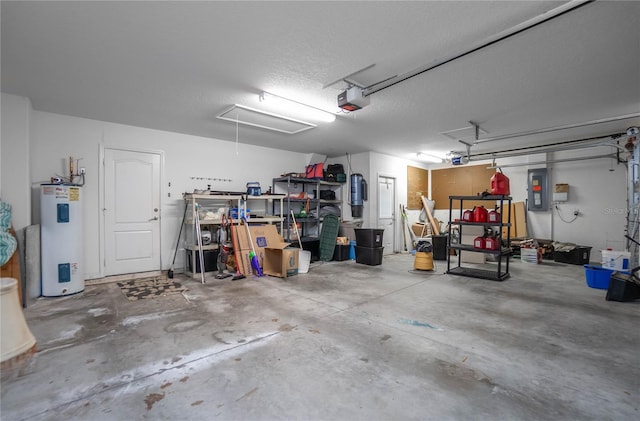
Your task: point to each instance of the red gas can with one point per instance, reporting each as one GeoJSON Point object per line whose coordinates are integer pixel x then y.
{"type": "Point", "coordinates": [494, 216]}
{"type": "Point", "coordinates": [491, 243]}
{"type": "Point", "coordinates": [467, 216]}
{"type": "Point", "coordinates": [480, 214]}
{"type": "Point", "coordinates": [500, 184]}
{"type": "Point", "coordinates": [478, 243]}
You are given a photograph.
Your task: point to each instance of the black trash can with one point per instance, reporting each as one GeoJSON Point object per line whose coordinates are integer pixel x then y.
{"type": "Point", "coordinates": [369, 237]}
{"type": "Point", "coordinates": [439, 247]}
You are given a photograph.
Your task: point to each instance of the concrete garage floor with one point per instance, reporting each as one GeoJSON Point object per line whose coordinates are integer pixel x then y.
{"type": "Point", "coordinates": [345, 341]}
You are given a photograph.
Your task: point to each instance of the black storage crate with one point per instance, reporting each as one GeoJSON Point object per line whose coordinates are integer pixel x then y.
{"type": "Point", "coordinates": [210, 261]}
{"type": "Point", "coordinates": [623, 287]}
{"type": "Point", "coordinates": [311, 244]}
{"type": "Point", "coordinates": [439, 247]}
{"type": "Point", "coordinates": [371, 256]}
{"type": "Point", "coordinates": [369, 237]}
{"type": "Point", "coordinates": [577, 256]}
{"type": "Point", "coordinates": [341, 252]}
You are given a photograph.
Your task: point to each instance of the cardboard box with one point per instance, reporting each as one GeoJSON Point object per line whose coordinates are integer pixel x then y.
{"type": "Point", "coordinates": [562, 188]}
{"type": "Point", "coordinates": [262, 236]}
{"type": "Point", "coordinates": [280, 261]}
{"type": "Point", "coordinates": [419, 229]}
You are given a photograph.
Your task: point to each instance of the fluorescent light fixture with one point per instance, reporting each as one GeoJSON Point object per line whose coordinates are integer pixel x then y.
{"type": "Point", "coordinates": [264, 120]}
{"type": "Point", "coordinates": [286, 105]}
{"type": "Point", "coordinates": [425, 157]}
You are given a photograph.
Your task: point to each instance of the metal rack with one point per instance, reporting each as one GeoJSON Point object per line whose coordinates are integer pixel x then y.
{"type": "Point", "coordinates": [296, 186]}
{"type": "Point", "coordinates": [206, 210]}
{"type": "Point", "coordinates": [503, 253]}
{"type": "Point", "coordinates": [200, 213]}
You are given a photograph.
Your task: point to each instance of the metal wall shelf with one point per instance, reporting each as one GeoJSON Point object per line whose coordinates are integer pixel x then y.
{"type": "Point", "coordinates": [502, 271]}
{"type": "Point", "coordinates": [292, 186]}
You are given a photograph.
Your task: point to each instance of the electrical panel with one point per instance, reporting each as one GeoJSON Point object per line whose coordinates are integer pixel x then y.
{"type": "Point", "coordinates": [538, 190]}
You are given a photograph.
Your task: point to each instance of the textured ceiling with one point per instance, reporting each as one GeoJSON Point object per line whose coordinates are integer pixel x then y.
{"type": "Point", "coordinates": [176, 65]}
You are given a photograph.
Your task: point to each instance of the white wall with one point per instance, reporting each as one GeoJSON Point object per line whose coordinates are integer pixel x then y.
{"type": "Point", "coordinates": [36, 145]}
{"type": "Point", "coordinates": [56, 137]}
{"type": "Point", "coordinates": [601, 197]}
{"type": "Point", "coordinates": [371, 165]}
{"type": "Point", "coordinates": [599, 194]}
{"type": "Point", "coordinates": [14, 157]}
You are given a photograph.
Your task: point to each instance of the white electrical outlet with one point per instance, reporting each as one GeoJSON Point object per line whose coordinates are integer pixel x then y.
{"type": "Point", "coordinates": [560, 197]}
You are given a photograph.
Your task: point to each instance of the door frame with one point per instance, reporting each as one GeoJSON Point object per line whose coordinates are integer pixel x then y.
{"type": "Point", "coordinates": [395, 203]}
{"type": "Point", "coordinates": [101, 199]}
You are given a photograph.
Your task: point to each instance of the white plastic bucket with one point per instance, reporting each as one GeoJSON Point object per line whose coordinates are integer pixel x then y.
{"type": "Point", "coordinates": [304, 259]}
{"type": "Point", "coordinates": [616, 260]}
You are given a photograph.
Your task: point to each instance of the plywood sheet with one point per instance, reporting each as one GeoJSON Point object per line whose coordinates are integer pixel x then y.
{"type": "Point", "coordinates": [520, 220]}
{"type": "Point", "coordinates": [468, 180]}
{"type": "Point", "coordinates": [417, 186]}
{"type": "Point", "coordinates": [518, 227]}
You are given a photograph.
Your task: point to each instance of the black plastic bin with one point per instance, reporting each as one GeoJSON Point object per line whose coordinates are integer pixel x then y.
{"type": "Point", "coordinates": [577, 256]}
{"type": "Point", "coordinates": [371, 256]}
{"type": "Point", "coordinates": [311, 244]}
{"type": "Point", "coordinates": [623, 287]}
{"type": "Point", "coordinates": [369, 237]}
{"type": "Point", "coordinates": [341, 253]}
{"type": "Point", "coordinates": [439, 243]}
{"type": "Point", "coordinates": [210, 261]}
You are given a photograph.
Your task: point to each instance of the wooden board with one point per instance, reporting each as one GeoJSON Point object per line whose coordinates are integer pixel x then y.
{"type": "Point", "coordinates": [521, 222]}
{"type": "Point", "coordinates": [518, 227]}
{"type": "Point", "coordinates": [434, 225]}
{"type": "Point", "coordinates": [417, 185]}
{"type": "Point", "coordinates": [468, 180]}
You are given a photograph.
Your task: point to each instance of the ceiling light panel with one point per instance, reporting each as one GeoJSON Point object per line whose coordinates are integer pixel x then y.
{"type": "Point", "coordinates": [290, 106]}
{"type": "Point", "coordinates": [264, 120]}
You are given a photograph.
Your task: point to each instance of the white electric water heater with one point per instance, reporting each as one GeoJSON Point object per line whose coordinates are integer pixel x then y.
{"type": "Point", "coordinates": [61, 239]}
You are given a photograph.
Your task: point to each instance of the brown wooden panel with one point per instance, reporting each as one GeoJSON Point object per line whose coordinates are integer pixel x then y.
{"type": "Point", "coordinates": [417, 186]}
{"type": "Point", "coordinates": [466, 180]}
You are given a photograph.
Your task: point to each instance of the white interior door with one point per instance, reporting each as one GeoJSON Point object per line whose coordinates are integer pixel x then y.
{"type": "Point", "coordinates": [387, 211]}
{"type": "Point", "coordinates": [131, 211]}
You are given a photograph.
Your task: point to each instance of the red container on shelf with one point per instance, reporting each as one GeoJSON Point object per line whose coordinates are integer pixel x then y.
{"type": "Point", "coordinates": [494, 216]}
{"type": "Point", "coordinates": [467, 216]}
{"type": "Point", "coordinates": [500, 184]}
{"type": "Point", "coordinates": [479, 243]}
{"type": "Point", "coordinates": [480, 214]}
{"type": "Point", "coordinates": [492, 243]}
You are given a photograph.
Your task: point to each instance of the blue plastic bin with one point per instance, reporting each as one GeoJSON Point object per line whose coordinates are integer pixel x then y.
{"type": "Point", "coordinates": [597, 276]}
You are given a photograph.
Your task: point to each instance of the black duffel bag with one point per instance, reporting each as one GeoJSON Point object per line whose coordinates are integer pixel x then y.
{"type": "Point", "coordinates": [332, 172]}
